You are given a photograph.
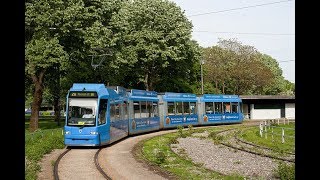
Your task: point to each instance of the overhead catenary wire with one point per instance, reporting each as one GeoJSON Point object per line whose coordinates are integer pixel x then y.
{"type": "Point", "coordinates": [233, 9]}
{"type": "Point", "coordinates": [287, 60]}
{"type": "Point", "coordinates": [248, 33]}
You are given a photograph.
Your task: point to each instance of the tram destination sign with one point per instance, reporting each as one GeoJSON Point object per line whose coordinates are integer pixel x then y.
{"type": "Point", "coordinates": [83, 94]}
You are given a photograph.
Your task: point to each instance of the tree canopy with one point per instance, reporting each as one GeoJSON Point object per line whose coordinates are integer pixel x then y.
{"type": "Point", "coordinates": [139, 44]}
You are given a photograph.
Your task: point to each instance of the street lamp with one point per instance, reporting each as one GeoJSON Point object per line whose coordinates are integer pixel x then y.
{"type": "Point", "coordinates": [201, 63]}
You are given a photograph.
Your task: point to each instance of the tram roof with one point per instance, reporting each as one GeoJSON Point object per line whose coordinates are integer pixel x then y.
{"type": "Point", "coordinates": [170, 96]}
{"type": "Point", "coordinates": [267, 97]}
{"type": "Point", "coordinates": [220, 98]}
{"type": "Point", "coordinates": [88, 87]}
{"type": "Point", "coordinates": [143, 95]}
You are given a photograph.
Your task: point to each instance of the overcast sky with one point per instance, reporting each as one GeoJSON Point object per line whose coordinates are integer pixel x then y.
{"type": "Point", "coordinates": [268, 25]}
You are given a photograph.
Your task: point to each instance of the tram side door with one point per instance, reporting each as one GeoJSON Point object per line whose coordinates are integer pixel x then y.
{"type": "Point", "coordinates": [102, 121]}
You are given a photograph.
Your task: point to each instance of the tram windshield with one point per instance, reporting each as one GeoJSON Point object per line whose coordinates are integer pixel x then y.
{"type": "Point", "coordinates": [82, 112]}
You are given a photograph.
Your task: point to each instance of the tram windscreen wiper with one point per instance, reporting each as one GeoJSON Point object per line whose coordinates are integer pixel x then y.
{"type": "Point", "coordinates": [87, 121]}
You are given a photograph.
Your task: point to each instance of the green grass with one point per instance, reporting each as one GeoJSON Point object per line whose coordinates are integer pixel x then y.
{"type": "Point", "coordinates": [157, 151]}
{"type": "Point", "coordinates": [45, 124]}
{"type": "Point", "coordinates": [253, 135]}
{"type": "Point", "coordinates": [37, 144]}
{"type": "Point", "coordinates": [285, 171]}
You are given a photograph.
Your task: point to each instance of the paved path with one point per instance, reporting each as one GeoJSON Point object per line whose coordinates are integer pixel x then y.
{"type": "Point", "coordinates": [118, 162]}
{"type": "Point", "coordinates": [78, 164]}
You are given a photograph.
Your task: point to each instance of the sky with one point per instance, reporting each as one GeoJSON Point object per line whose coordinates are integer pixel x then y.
{"type": "Point", "coordinates": [267, 25]}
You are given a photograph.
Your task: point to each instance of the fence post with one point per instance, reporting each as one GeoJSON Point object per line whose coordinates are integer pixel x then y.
{"type": "Point", "coordinates": [265, 126]}
{"type": "Point", "coordinates": [278, 121]}
{"type": "Point", "coordinates": [260, 126]}
{"type": "Point", "coordinates": [282, 135]}
{"type": "Point", "coordinates": [272, 133]}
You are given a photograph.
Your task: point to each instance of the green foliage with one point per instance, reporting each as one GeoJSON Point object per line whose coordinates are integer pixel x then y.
{"type": "Point", "coordinates": [155, 39]}
{"type": "Point", "coordinates": [180, 166]}
{"type": "Point", "coordinates": [215, 137]}
{"type": "Point", "coordinates": [31, 169]}
{"type": "Point", "coordinates": [275, 143]}
{"type": "Point", "coordinates": [160, 157]}
{"type": "Point", "coordinates": [285, 171]}
{"type": "Point", "coordinates": [43, 53]}
{"type": "Point", "coordinates": [59, 37]}
{"type": "Point", "coordinates": [234, 68]}
{"type": "Point", "coordinates": [180, 131]}
{"type": "Point", "coordinates": [39, 143]}
{"type": "Point", "coordinates": [173, 140]}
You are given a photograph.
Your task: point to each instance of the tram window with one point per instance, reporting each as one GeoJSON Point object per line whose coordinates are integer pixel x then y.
{"type": "Point", "coordinates": [218, 107]}
{"type": "Point", "coordinates": [193, 108]}
{"type": "Point", "coordinates": [102, 111]}
{"type": "Point", "coordinates": [136, 107]}
{"type": "Point", "coordinates": [186, 108]}
{"type": "Point", "coordinates": [125, 110]}
{"type": "Point", "coordinates": [149, 109]}
{"type": "Point", "coordinates": [234, 107]}
{"type": "Point", "coordinates": [171, 108]}
{"type": "Point", "coordinates": [112, 113]}
{"type": "Point", "coordinates": [122, 110]}
{"type": "Point", "coordinates": [144, 110]}
{"type": "Point", "coordinates": [209, 107]}
{"type": "Point", "coordinates": [178, 108]}
{"type": "Point", "coordinates": [117, 111]}
{"type": "Point", "coordinates": [226, 107]}
{"type": "Point", "coordinates": [155, 109]}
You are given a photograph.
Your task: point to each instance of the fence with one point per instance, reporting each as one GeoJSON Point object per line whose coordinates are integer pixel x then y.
{"type": "Point", "coordinates": [267, 127]}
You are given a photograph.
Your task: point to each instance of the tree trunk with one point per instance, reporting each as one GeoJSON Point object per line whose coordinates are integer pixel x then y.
{"type": "Point", "coordinates": [146, 81]}
{"type": "Point", "coordinates": [223, 87]}
{"type": "Point", "coordinates": [37, 100]}
{"type": "Point", "coordinates": [216, 83]}
{"type": "Point", "coordinates": [56, 98]}
{"type": "Point", "coordinates": [56, 109]}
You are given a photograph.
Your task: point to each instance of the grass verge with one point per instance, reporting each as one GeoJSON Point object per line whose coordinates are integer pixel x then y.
{"type": "Point", "coordinates": [39, 143]}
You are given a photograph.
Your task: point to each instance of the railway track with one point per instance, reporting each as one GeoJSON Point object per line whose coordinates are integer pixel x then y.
{"type": "Point", "coordinates": [99, 174]}
{"type": "Point", "coordinates": [238, 144]}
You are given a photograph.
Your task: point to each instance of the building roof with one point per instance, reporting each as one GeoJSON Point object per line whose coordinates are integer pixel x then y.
{"type": "Point", "coordinates": [266, 97]}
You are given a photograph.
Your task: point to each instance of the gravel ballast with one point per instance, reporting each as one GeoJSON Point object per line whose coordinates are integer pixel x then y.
{"type": "Point", "coordinates": [225, 160]}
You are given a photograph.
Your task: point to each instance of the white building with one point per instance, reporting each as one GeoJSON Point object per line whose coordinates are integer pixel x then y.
{"type": "Point", "coordinates": [268, 106]}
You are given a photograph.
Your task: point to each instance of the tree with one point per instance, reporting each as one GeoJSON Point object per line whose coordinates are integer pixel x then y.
{"type": "Point", "coordinates": [278, 84]}
{"type": "Point", "coordinates": [154, 40]}
{"type": "Point", "coordinates": [41, 54]}
{"type": "Point", "coordinates": [45, 22]}
{"type": "Point", "coordinates": [235, 68]}
{"type": "Point", "coordinates": [72, 29]}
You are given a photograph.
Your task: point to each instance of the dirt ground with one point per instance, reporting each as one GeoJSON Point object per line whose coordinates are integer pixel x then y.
{"type": "Point", "coordinates": [47, 164]}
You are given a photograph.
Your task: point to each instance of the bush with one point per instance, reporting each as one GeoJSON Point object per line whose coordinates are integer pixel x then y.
{"type": "Point", "coordinates": [285, 171]}
{"type": "Point", "coordinates": [180, 131]}
{"type": "Point", "coordinates": [38, 144]}
{"type": "Point", "coordinates": [216, 138]}
{"type": "Point", "coordinates": [160, 157]}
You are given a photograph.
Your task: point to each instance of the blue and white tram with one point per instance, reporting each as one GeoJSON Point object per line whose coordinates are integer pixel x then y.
{"type": "Point", "coordinates": [88, 122]}
{"type": "Point", "coordinates": [99, 115]}
{"type": "Point", "coordinates": [217, 109]}
{"type": "Point", "coordinates": [143, 111]}
{"type": "Point", "coordinates": [178, 109]}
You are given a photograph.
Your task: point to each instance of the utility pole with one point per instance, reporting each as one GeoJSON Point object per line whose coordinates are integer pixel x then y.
{"type": "Point", "coordinates": [201, 63]}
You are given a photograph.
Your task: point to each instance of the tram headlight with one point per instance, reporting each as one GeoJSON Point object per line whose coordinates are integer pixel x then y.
{"type": "Point", "coordinates": [67, 132]}
{"type": "Point", "coordinates": [94, 133]}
